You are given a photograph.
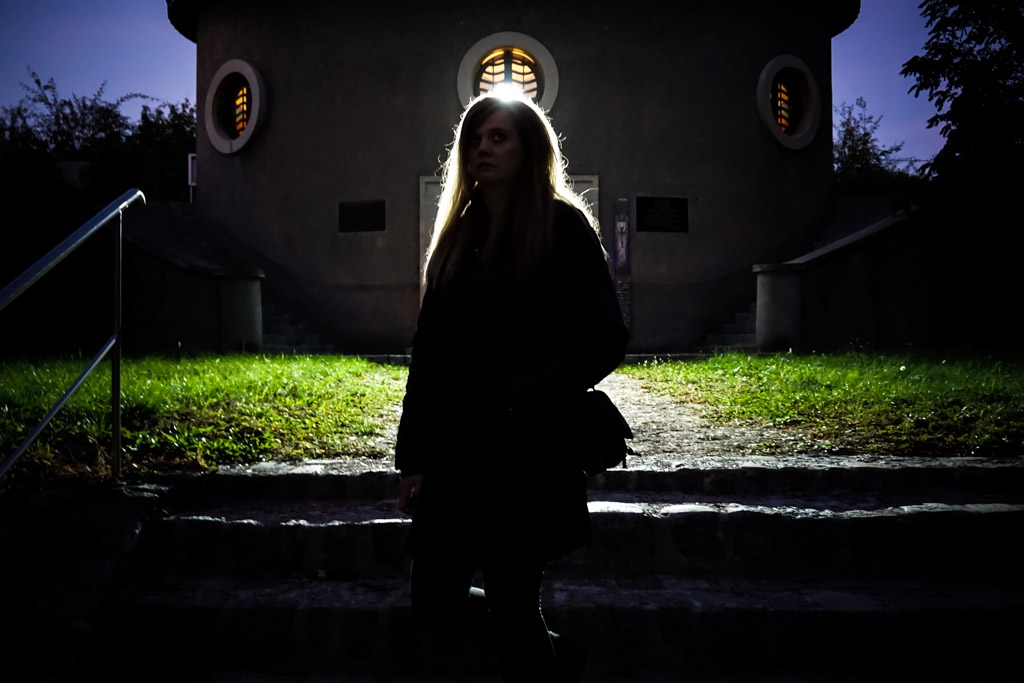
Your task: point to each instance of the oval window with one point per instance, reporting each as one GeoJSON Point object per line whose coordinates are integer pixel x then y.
{"type": "Point", "coordinates": [234, 106]}
{"type": "Point", "coordinates": [788, 101]}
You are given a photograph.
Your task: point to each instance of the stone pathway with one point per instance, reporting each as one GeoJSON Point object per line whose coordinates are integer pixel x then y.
{"type": "Point", "coordinates": [666, 431]}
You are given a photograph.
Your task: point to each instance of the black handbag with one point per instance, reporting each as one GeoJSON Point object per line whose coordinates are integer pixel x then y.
{"type": "Point", "coordinates": [600, 433]}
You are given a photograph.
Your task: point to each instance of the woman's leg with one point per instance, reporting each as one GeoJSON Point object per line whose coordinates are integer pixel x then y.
{"type": "Point", "coordinates": [443, 596]}
{"type": "Point", "coordinates": [522, 640]}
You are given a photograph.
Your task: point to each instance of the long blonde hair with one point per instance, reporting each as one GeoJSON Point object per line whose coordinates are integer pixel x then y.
{"type": "Point", "coordinates": [543, 180]}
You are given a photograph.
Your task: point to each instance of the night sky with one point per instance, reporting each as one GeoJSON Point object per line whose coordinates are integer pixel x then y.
{"type": "Point", "coordinates": [132, 46]}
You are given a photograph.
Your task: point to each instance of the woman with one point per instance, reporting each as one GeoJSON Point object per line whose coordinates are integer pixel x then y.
{"type": "Point", "coordinates": [519, 318]}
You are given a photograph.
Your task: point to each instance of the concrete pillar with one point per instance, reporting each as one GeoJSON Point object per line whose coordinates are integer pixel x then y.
{"type": "Point", "coordinates": [241, 313]}
{"type": "Point", "coordinates": [778, 312]}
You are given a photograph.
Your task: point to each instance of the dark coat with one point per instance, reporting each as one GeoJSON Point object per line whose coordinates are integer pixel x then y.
{"type": "Point", "coordinates": [495, 362]}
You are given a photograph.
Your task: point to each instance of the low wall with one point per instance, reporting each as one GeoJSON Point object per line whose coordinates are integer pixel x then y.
{"type": "Point", "coordinates": [880, 286]}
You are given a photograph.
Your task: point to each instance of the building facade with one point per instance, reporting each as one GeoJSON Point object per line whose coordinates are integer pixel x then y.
{"type": "Point", "coordinates": [700, 132]}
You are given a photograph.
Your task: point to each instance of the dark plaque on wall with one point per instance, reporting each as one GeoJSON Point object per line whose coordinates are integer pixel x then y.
{"type": "Point", "coordinates": [662, 214]}
{"type": "Point", "coordinates": [361, 216]}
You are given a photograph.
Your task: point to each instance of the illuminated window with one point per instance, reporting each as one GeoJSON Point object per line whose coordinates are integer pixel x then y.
{"type": "Point", "coordinates": [510, 65]}
{"type": "Point", "coordinates": [509, 57]}
{"type": "Point", "coordinates": [234, 106]}
{"type": "Point", "coordinates": [788, 101]}
{"type": "Point", "coordinates": [786, 107]}
{"type": "Point", "coordinates": [242, 109]}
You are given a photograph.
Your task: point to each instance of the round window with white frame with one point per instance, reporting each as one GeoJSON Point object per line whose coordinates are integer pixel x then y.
{"type": "Point", "coordinates": [513, 59]}
{"type": "Point", "coordinates": [235, 106]}
{"type": "Point", "coordinates": [788, 101]}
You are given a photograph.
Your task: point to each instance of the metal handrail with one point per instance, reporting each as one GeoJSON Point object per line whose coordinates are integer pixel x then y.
{"type": "Point", "coordinates": [113, 344]}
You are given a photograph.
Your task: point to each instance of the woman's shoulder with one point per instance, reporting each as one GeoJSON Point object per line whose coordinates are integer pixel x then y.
{"type": "Point", "coordinates": [565, 212]}
{"type": "Point", "coordinates": [571, 224]}
{"type": "Point", "coordinates": [577, 245]}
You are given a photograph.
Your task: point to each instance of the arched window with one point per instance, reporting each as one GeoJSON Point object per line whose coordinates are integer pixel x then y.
{"type": "Point", "coordinates": [509, 57]}
{"type": "Point", "coordinates": [510, 65]}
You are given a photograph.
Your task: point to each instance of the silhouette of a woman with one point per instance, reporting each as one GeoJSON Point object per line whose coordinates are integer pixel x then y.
{"type": "Point", "coordinates": [519, 318]}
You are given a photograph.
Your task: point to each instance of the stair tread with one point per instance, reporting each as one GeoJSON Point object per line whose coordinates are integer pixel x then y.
{"type": "Point", "coordinates": [641, 463]}
{"type": "Point", "coordinates": [738, 335]}
{"type": "Point", "coordinates": [661, 621]}
{"type": "Point", "coordinates": [664, 504]}
{"type": "Point", "coordinates": [629, 538]}
{"type": "Point", "coordinates": [649, 592]}
{"type": "Point", "coordinates": [711, 478]}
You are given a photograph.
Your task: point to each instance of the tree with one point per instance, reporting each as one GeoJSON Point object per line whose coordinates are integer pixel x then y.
{"type": "Point", "coordinates": [16, 131]}
{"type": "Point", "coordinates": [861, 164]}
{"type": "Point", "coordinates": [74, 155]}
{"type": "Point", "coordinates": [973, 70]}
{"type": "Point", "coordinates": [159, 148]}
{"type": "Point", "coordinates": [47, 129]}
{"type": "Point", "coordinates": [75, 127]}
{"type": "Point", "coordinates": [63, 159]}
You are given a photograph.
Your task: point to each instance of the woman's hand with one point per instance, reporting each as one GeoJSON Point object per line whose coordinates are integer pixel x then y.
{"type": "Point", "coordinates": [408, 492]}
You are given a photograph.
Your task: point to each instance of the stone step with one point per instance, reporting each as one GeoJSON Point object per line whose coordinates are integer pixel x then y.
{"type": "Point", "coordinates": [633, 534]}
{"type": "Point", "coordinates": [737, 335]}
{"type": "Point", "coordinates": [294, 350]}
{"type": "Point", "coordinates": [282, 334]}
{"type": "Point", "coordinates": [663, 623]}
{"type": "Point", "coordinates": [176, 628]}
{"type": "Point", "coordinates": [745, 321]}
{"type": "Point", "coordinates": [731, 478]}
{"type": "Point", "coordinates": [745, 324]}
{"type": "Point", "coordinates": [632, 674]}
{"type": "Point", "coordinates": [734, 340]}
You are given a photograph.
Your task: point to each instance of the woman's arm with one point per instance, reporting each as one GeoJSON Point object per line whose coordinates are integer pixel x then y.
{"type": "Point", "coordinates": [408, 493]}
{"type": "Point", "coordinates": [411, 452]}
{"type": "Point", "coordinates": [595, 335]}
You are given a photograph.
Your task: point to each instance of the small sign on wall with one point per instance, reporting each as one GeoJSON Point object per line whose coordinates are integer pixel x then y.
{"type": "Point", "coordinates": [620, 255]}
{"type": "Point", "coordinates": [662, 214]}
{"type": "Point", "coordinates": [621, 258]}
{"type": "Point", "coordinates": [366, 216]}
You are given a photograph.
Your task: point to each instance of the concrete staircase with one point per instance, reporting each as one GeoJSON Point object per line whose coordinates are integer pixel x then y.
{"type": "Point", "coordinates": [739, 335]}
{"type": "Point", "coordinates": [282, 334]}
{"type": "Point", "coordinates": [799, 569]}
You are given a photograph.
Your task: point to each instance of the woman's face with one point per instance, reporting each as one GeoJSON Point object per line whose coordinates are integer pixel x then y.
{"type": "Point", "coordinates": [495, 154]}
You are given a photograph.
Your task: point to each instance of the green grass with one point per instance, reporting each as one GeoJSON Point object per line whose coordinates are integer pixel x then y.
{"type": "Point", "coordinates": [886, 403]}
{"type": "Point", "coordinates": [198, 413]}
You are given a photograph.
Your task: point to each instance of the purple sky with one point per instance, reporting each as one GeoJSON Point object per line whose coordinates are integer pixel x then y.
{"type": "Point", "coordinates": [131, 45]}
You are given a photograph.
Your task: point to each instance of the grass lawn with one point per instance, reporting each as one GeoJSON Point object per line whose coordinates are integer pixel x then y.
{"type": "Point", "coordinates": [196, 413]}
{"type": "Point", "coordinates": [912, 403]}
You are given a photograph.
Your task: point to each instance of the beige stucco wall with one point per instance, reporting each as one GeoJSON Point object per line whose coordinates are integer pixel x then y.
{"type": "Point", "coordinates": [361, 100]}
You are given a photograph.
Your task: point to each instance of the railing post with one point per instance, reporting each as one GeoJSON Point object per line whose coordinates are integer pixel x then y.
{"type": "Point", "coordinates": [38, 270]}
{"type": "Point", "coordinates": [115, 357]}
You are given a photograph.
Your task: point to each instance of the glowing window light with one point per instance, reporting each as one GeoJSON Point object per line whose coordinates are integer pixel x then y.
{"type": "Point", "coordinates": [507, 90]}
{"type": "Point", "coordinates": [783, 107]}
{"type": "Point", "coordinates": [511, 66]}
{"type": "Point", "coordinates": [241, 109]}
{"type": "Point", "coordinates": [782, 111]}
{"type": "Point", "coordinates": [786, 107]}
